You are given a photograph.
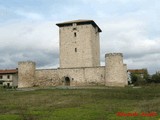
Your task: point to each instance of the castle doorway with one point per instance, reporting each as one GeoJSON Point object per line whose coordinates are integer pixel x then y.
{"type": "Point", "coordinates": [67, 81]}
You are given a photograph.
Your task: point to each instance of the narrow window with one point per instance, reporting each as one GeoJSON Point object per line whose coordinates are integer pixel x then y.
{"type": "Point", "coordinates": [75, 34]}
{"type": "Point", "coordinates": [8, 77]}
{"type": "Point", "coordinates": [74, 28]}
{"type": "Point", "coordinates": [75, 49]}
{"type": "Point", "coordinates": [1, 77]}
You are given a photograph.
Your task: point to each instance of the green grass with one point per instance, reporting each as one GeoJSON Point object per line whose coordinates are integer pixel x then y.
{"type": "Point", "coordinates": [79, 104]}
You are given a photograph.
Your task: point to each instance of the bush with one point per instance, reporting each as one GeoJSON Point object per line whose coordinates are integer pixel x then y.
{"type": "Point", "coordinates": [156, 78]}
{"type": "Point", "coordinates": [138, 80]}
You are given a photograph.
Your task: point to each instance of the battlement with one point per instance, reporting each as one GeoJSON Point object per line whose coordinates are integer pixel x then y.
{"type": "Point", "coordinates": [113, 54]}
{"type": "Point", "coordinates": [26, 62]}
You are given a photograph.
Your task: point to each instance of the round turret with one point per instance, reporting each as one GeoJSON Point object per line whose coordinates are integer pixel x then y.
{"type": "Point", "coordinates": [115, 71]}
{"type": "Point", "coordinates": [26, 74]}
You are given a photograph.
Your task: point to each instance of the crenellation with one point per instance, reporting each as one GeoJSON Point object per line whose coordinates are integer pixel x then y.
{"type": "Point", "coordinates": [113, 54]}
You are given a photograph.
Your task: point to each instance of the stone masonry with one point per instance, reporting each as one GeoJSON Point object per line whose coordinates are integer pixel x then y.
{"type": "Point", "coordinates": [115, 69]}
{"type": "Point", "coordinates": [26, 74]}
{"type": "Point", "coordinates": [79, 44]}
{"type": "Point", "coordinates": [79, 61]}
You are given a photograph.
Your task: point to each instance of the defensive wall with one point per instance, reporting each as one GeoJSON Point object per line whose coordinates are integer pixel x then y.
{"type": "Point", "coordinates": [79, 61]}
{"type": "Point", "coordinates": [114, 73]}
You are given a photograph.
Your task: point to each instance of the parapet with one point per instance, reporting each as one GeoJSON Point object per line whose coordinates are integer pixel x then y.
{"type": "Point", "coordinates": [26, 62]}
{"type": "Point", "coordinates": [113, 54]}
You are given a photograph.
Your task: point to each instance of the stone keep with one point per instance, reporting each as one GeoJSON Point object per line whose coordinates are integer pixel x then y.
{"type": "Point", "coordinates": [79, 44]}
{"type": "Point", "coordinates": [116, 73]}
{"type": "Point", "coordinates": [26, 74]}
{"type": "Point", "coordinates": [79, 61]}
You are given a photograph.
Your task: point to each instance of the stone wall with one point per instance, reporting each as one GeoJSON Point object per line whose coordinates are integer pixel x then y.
{"type": "Point", "coordinates": [79, 46]}
{"type": "Point", "coordinates": [113, 74]}
{"type": "Point", "coordinates": [47, 77]}
{"type": "Point", "coordinates": [95, 44]}
{"type": "Point", "coordinates": [83, 76]}
{"type": "Point", "coordinates": [26, 74]}
{"type": "Point", "coordinates": [79, 61]}
{"type": "Point", "coordinates": [125, 74]}
{"type": "Point", "coordinates": [15, 80]}
{"type": "Point", "coordinates": [115, 71]}
{"type": "Point", "coordinates": [95, 76]}
{"type": "Point", "coordinates": [77, 76]}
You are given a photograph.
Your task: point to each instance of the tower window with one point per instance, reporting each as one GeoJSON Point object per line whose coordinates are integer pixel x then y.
{"type": "Point", "coordinates": [8, 76]}
{"type": "Point", "coordinates": [75, 34]}
{"type": "Point", "coordinates": [75, 49]}
{"type": "Point", "coordinates": [74, 28]}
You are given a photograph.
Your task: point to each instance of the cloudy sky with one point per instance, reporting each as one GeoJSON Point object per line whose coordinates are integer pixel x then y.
{"type": "Point", "coordinates": [28, 30]}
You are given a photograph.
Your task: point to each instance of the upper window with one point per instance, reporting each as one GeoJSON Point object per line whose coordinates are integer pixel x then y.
{"type": "Point", "coordinates": [74, 28]}
{"type": "Point", "coordinates": [75, 34]}
{"type": "Point", "coordinates": [8, 76]}
{"type": "Point", "coordinates": [75, 49]}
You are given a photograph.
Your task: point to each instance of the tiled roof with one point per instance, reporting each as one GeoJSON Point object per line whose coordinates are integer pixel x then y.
{"type": "Point", "coordinates": [79, 21]}
{"type": "Point", "coordinates": [10, 71]}
{"type": "Point", "coordinates": [138, 71]}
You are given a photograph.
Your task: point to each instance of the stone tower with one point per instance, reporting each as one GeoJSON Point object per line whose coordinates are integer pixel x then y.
{"type": "Point", "coordinates": [79, 44]}
{"type": "Point", "coordinates": [26, 74]}
{"type": "Point", "coordinates": [116, 71]}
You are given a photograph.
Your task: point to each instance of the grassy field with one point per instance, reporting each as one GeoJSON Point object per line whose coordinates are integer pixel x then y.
{"type": "Point", "coordinates": [80, 104]}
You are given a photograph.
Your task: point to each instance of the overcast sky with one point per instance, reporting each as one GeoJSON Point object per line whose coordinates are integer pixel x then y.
{"type": "Point", "coordinates": [28, 30]}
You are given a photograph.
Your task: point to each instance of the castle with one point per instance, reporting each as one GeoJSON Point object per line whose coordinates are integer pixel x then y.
{"type": "Point", "coordinates": [79, 61]}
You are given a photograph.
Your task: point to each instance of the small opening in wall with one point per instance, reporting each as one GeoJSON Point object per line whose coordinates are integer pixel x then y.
{"type": "Point", "coordinates": [67, 81]}
{"type": "Point", "coordinates": [101, 75]}
{"type": "Point", "coordinates": [1, 76]}
{"type": "Point", "coordinates": [74, 28]}
{"type": "Point", "coordinates": [75, 34]}
{"type": "Point", "coordinates": [8, 76]}
{"type": "Point", "coordinates": [75, 49]}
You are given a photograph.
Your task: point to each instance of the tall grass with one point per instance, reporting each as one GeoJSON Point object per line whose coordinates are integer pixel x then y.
{"type": "Point", "coordinates": [78, 104]}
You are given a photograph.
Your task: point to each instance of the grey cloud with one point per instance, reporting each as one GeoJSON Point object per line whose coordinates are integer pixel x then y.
{"type": "Point", "coordinates": [41, 57]}
{"type": "Point", "coordinates": [131, 37]}
{"type": "Point", "coordinates": [132, 32]}
{"type": "Point", "coordinates": [28, 41]}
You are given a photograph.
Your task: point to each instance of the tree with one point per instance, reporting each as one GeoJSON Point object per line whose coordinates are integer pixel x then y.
{"type": "Point", "coordinates": [134, 78]}
{"type": "Point", "coordinates": [156, 77]}
{"type": "Point", "coordinates": [138, 79]}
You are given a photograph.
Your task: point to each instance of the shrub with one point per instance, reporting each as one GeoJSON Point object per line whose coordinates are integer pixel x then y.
{"type": "Point", "coordinates": [156, 77]}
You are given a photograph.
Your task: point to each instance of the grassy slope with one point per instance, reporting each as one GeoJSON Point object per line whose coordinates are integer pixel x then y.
{"type": "Point", "coordinates": [79, 104]}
